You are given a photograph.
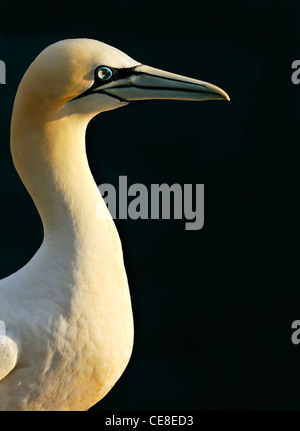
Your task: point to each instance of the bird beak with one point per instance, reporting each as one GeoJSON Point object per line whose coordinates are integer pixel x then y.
{"type": "Point", "coordinates": [147, 83]}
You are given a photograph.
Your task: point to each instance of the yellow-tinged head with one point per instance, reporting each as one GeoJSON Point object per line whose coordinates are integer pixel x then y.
{"type": "Point", "coordinates": [87, 76]}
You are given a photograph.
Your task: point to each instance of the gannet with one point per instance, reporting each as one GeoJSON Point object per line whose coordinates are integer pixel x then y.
{"type": "Point", "coordinates": [66, 317]}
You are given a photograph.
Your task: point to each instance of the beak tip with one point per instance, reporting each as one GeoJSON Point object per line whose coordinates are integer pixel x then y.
{"type": "Point", "coordinates": [218, 93]}
{"type": "Point", "coordinates": [224, 95]}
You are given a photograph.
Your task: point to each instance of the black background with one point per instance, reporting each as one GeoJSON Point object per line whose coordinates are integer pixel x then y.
{"type": "Point", "coordinates": [213, 308]}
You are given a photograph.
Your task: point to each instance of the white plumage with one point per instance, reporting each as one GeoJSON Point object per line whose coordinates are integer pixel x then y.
{"type": "Point", "coordinates": [67, 313]}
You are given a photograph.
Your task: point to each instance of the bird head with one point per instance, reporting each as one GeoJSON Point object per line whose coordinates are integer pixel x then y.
{"type": "Point", "coordinates": [85, 76]}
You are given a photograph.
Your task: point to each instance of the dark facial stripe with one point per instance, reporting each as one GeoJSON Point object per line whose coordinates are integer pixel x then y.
{"type": "Point", "coordinates": [116, 74]}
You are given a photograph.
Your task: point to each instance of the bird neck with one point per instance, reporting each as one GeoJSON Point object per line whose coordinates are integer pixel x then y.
{"type": "Point", "coordinates": [49, 155]}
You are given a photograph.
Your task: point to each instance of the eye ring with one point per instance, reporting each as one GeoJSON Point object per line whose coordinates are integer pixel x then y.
{"type": "Point", "coordinates": [104, 73]}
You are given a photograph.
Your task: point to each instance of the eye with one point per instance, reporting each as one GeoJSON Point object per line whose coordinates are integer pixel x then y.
{"type": "Point", "coordinates": [104, 73]}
